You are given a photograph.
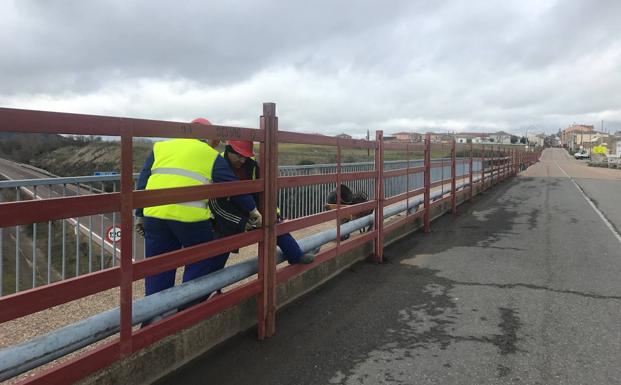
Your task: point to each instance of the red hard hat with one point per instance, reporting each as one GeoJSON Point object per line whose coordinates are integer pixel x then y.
{"type": "Point", "coordinates": [242, 147]}
{"type": "Point", "coordinates": [202, 121]}
{"type": "Point", "coordinates": [205, 122]}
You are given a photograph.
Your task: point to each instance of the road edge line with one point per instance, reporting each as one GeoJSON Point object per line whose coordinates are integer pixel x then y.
{"type": "Point", "coordinates": [601, 215]}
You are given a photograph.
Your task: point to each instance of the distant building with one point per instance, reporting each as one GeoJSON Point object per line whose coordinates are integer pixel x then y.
{"type": "Point", "coordinates": [389, 138]}
{"type": "Point", "coordinates": [536, 139]}
{"type": "Point", "coordinates": [500, 137]}
{"type": "Point", "coordinates": [576, 136]}
{"type": "Point", "coordinates": [472, 137]}
{"type": "Point", "coordinates": [408, 137]}
{"type": "Point", "coordinates": [344, 136]}
{"type": "Point", "coordinates": [440, 137]}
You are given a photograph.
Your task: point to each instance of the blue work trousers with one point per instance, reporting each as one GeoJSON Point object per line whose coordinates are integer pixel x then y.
{"type": "Point", "coordinates": [162, 236]}
{"type": "Point", "coordinates": [290, 248]}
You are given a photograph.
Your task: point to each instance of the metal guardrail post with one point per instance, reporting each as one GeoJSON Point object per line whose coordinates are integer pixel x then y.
{"type": "Point", "coordinates": [427, 182]}
{"type": "Point", "coordinates": [379, 196]}
{"type": "Point", "coordinates": [267, 267]}
{"type": "Point", "coordinates": [453, 178]}
{"type": "Point", "coordinates": [127, 187]}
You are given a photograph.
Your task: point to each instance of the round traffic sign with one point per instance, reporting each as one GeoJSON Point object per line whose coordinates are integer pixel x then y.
{"type": "Point", "coordinates": [113, 234]}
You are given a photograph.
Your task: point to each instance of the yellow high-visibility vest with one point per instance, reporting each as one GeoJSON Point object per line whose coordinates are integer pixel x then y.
{"type": "Point", "coordinates": [181, 163]}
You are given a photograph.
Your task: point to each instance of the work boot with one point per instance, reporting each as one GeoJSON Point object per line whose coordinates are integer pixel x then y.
{"type": "Point", "coordinates": [307, 258]}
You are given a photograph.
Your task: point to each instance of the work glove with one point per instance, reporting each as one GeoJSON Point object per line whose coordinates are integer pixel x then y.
{"type": "Point", "coordinates": [255, 220]}
{"type": "Point", "coordinates": [139, 226]}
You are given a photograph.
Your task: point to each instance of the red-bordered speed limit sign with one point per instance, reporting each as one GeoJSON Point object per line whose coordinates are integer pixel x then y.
{"type": "Point", "coordinates": [113, 234]}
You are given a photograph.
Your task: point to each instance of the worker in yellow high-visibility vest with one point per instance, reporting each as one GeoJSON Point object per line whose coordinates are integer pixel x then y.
{"type": "Point", "coordinates": [180, 163]}
{"type": "Point", "coordinates": [232, 219]}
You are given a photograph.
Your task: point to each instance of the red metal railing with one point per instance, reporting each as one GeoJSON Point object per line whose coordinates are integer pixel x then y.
{"type": "Point", "coordinates": [501, 164]}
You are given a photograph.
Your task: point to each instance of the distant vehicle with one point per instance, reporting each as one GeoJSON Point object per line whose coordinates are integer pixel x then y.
{"type": "Point", "coordinates": [582, 154]}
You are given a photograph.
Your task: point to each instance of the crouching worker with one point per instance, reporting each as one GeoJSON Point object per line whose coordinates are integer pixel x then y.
{"type": "Point", "coordinates": [233, 219]}
{"type": "Point", "coordinates": [180, 163]}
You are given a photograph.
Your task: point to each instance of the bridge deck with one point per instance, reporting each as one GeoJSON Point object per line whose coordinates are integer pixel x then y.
{"type": "Point", "coordinates": [523, 287]}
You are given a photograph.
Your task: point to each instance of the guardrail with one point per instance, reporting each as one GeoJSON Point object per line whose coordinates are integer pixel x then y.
{"type": "Point", "coordinates": [498, 164]}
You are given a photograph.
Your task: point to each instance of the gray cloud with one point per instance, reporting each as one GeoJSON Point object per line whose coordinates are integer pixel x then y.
{"type": "Point", "coordinates": [344, 66]}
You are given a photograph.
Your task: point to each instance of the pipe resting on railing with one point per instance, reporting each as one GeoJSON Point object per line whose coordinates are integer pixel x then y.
{"type": "Point", "coordinates": [46, 348]}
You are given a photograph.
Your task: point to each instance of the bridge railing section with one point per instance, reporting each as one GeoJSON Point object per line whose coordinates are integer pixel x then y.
{"type": "Point", "coordinates": [57, 250]}
{"type": "Point", "coordinates": [124, 201]}
{"type": "Point", "coordinates": [421, 176]}
{"type": "Point", "coordinates": [42, 253]}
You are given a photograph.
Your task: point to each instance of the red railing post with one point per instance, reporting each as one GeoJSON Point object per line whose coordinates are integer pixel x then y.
{"type": "Point", "coordinates": [427, 196]}
{"type": "Point", "coordinates": [501, 163]}
{"type": "Point", "coordinates": [407, 180]}
{"type": "Point", "coordinates": [494, 170]}
{"type": "Point", "coordinates": [470, 177]}
{"type": "Point", "coordinates": [127, 187]}
{"type": "Point", "coordinates": [453, 177]}
{"type": "Point", "coordinates": [338, 194]}
{"type": "Point", "coordinates": [482, 157]}
{"type": "Point", "coordinates": [379, 196]}
{"type": "Point", "coordinates": [267, 264]}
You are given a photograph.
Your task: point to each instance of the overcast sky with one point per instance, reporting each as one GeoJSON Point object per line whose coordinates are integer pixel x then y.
{"type": "Point", "coordinates": [330, 66]}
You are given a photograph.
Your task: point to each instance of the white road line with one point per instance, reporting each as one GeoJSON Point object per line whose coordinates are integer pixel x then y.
{"type": "Point", "coordinates": [604, 219]}
{"type": "Point", "coordinates": [559, 166]}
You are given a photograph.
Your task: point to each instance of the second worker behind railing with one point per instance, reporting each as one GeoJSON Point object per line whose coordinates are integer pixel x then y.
{"type": "Point", "coordinates": [233, 219]}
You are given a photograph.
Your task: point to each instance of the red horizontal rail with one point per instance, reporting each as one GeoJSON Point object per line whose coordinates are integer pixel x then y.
{"type": "Point", "coordinates": [440, 183]}
{"type": "Point", "coordinates": [357, 143]}
{"type": "Point", "coordinates": [315, 219]}
{"type": "Point", "coordinates": [307, 180]}
{"type": "Point", "coordinates": [357, 175]}
{"type": "Point", "coordinates": [187, 255]}
{"type": "Point", "coordinates": [402, 171]}
{"type": "Point", "coordinates": [300, 223]}
{"type": "Point", "coordinates": [286, 273]}
{"type": "Point", "coordinates": [154, 332]}
{"type": "Point", "coordinates": [403, 196]}
{"type": "Point", "coordinates": [348, 210]}
{"type": "Point", "coordinates": [354, 242]}
{"type": "Point", "coordinates": [147, 198]}
{"type": "Point", "coordinates": [398, 223]}
{"type": "Point", "coordinates": [439, 164]}
{"type": "Point", "coordinates": [76, 368]}
{"type": "Point", "coordinates": [17, 120]}
{"type": "Point", "coordinates": [439, 201]}
{"type": "Point", "coordinates": [33, 300]}
{"type": "Point", "coordinates": [396, 146]}
{"type": "Point", "coordinates": [299, 138]}
{"type": "Point", "coordinates": [43, 210]}
{"type": "Point", "coordinates": [164, 129]}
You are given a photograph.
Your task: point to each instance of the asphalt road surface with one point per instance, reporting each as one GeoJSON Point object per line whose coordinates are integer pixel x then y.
{"type": "Point", "coordinates": [523, 287]}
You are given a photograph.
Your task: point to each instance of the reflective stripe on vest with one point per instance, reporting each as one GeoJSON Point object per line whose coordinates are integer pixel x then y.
{"type": "Point", "coordinates": [181, 163]}
{"type": "Point", "coordinates": [181, 172]}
